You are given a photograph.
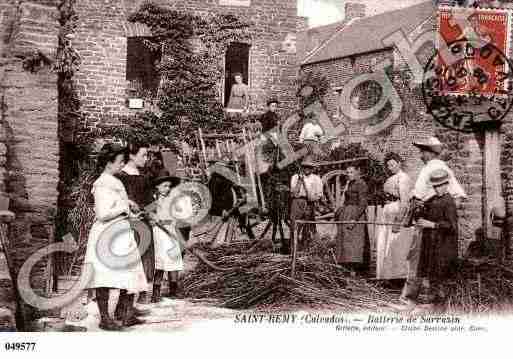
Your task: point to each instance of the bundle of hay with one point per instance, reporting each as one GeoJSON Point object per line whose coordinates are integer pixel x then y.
{"type": "Point", "coordinates": [262, 280]}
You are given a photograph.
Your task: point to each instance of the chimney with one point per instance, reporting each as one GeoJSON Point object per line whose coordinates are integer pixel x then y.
{"type": "Point", "coordinates": [301, 24]}
{"type": "Point", "coordinates": [353, 10]}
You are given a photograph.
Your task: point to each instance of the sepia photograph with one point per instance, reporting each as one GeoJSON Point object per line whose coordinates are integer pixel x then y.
{"type": "Point", "coordinates": [309, 170]}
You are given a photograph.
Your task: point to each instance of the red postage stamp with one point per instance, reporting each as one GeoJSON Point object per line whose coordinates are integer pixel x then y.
{"type": "Point", "coordinates": [483, 35]}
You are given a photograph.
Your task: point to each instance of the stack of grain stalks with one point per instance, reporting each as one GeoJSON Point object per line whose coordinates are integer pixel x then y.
{"type": "Point", "coordinates": [262, 280]}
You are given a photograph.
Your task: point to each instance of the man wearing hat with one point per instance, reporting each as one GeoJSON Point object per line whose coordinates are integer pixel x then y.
{"type": "Point", "coordinates": [430, 150]}
{"type": "Point", "coordinates": [268, 151]}
{"type": "Point", "coordinates": [439, 225]}
{"type": "Point", "coordinates": [306, 189]}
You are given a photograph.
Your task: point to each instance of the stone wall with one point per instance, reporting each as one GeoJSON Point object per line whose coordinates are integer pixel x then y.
{"type": "Point", "coordinates": [101, 40]}
{"type": "Point", "coordinates": [464, 152]}
{"type": "Point", "coordinates": [29, 146]}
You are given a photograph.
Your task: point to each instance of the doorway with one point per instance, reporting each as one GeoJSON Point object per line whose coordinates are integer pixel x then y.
{"type": "Point", "coordinates": [236, 61]}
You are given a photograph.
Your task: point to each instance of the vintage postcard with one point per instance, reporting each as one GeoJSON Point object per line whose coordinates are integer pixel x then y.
{"type": "Point", "coordinates": [312, 177]}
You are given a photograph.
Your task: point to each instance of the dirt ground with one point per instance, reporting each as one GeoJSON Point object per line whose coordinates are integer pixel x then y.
{"type": "Point", "coordinates": [174, 314]}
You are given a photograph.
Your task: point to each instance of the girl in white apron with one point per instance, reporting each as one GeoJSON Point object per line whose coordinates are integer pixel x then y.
{"type": "Point", "coordinates": [168, 256]}
{"type": "Point", "coordinates": [112, 260]}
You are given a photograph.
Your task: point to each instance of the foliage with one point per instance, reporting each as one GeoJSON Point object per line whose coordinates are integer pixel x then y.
{"type": "Point", "coordinates": [144, 127]}
{"type": "Point", "coordinates": [68, 59]}
{"type": "Point", "coordinates": [80, 218]}
{"type": "Point", "coordinates": [314, 85]}
{"type": "Point", "coordinates": [191, 64]}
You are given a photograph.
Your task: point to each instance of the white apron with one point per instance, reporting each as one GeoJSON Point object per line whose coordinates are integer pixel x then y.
{"type": "Point", "coordinates": [392, 248]}
{"type": "Point", "coordinates": [168, 255]}
{"type": "Point", "coordinates": [110, 204]}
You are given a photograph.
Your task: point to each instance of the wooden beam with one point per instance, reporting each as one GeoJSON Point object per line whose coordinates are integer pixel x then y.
{"type": "Point", "coordinates": [492, 180]}
{"type": "Point", "coordinates": [330, 163]}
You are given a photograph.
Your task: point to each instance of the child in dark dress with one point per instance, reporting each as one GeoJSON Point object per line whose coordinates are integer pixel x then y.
{"type": "Point", "coordinates": [439, 248]}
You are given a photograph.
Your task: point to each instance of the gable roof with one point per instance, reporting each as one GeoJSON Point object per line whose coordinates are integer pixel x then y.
{"type": "Point", "coordinates": [310, 39]}
{"type": "Point", "coordinates": [365, 34]}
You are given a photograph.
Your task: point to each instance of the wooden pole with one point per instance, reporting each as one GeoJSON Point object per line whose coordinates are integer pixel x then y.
{"type": "Point", "coordinates": [492, 180]}
{"type": "Point", "coordinates": [294, 249]}
{"type": "Point", "coordinates": [331, 163]}
{"type": "Point", "coordinates": [249, 165]}
{"type": "Point", "coordinates": [203, 149]}
{"type": "Point", "coordinates": [50, 269]}
{"type": "Point", "coordinates": [20, 315]}
{"type": "Point", "coordinates": [218, 148]}
{"type": "Point", "coordinates": [348, 222]}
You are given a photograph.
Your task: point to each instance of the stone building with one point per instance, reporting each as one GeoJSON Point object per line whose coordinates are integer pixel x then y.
{"type": "Point", "coordinates": [358, 48]}
{"type": "Point", "coordinates": [29, 141]}
{"type": "Point", "coordinates": [110, 52]}
{"type": "Point", "coordinates": [35, 141]}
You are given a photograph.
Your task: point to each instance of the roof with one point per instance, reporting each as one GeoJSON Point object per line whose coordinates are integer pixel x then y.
{"type": "Point", "coordinates": [310, 39]}
{"type": "Point", "coordinates": [365, 34]}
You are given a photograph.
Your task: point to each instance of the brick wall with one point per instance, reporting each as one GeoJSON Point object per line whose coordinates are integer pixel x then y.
{"type": "Point", "coordinates": [101, 40]}
{"type": "Point", "coordinates": [29, 145]}
{"type": "Point", "coordinates": [464, 152]}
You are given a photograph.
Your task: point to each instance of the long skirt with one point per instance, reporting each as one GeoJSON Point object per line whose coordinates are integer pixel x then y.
{"type": "Point", "coordinates": [148, 255]}
{"type": "Point", "coordinates": [353, 244]}
{"type": "Point", "coordinates": [392, 248]}
{"type": "Point", "coordinates": [168, 256]}
{"type": "Point", "coordinates": [114, 261]}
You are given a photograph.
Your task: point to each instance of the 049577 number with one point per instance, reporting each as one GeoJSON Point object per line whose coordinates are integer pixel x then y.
{"type": "Point", "coordinates": [26, 346]}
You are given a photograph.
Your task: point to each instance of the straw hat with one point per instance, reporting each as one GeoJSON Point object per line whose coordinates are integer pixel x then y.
{"type": "Point", "coordinates": [307, 162]}
{"type": "Point", "coordinates": [164, 176]}
{"type": "Point", "coordinates": [432, 144]}
{"type": "Point", "coordinates": [439, 177]}
{"type": "Point", "coordinates": [272, 100]}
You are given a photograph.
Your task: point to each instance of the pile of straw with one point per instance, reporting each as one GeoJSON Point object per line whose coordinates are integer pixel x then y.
{"type": "Point", "coordinates": [481, 286]}
{"type": "Point", "coordinates": [259, 280]}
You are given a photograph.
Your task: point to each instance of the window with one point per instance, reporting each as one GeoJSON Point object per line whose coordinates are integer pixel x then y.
{"type": "Point", "coordinates": [141, 69]}
{"type": "Point", "coordinates": [236, 61]}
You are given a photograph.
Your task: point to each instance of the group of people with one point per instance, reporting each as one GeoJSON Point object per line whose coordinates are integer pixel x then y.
{"type": "Point", "coordinates": [146, 238]}
{"type": "Point", "coordinates": [417, 236]}
{"type": "Point", "coordinates": [417, 239]}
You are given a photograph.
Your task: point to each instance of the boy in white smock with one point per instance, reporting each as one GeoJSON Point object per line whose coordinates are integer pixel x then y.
{"type": "Point", "coordinates": [168, 257]}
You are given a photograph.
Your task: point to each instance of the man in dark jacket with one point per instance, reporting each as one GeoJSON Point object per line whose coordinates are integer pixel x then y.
{"type": "Point", "coordinates": [270, 119]}
{"type": "Point", "coordinates": [269, 144]}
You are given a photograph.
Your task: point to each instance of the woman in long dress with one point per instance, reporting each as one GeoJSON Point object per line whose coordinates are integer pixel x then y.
{"type": "Point", "coordinates": [393, 241]}
{"type": "Point", "coordinates": [112, 259]}
{"type": "Point", "coordinates": [353, 248]}
{"type": "Point", "coordinates": [239, 94]}
{"type": "Point", "coordinates": [137, 181]}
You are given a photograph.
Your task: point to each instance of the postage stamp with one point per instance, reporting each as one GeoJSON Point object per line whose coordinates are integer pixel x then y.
{"type": "Point", "coordinates": [466, 82]}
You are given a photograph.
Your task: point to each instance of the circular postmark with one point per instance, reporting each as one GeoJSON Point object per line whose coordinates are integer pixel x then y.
{"type": "Point", "coordinates": [467, 85]}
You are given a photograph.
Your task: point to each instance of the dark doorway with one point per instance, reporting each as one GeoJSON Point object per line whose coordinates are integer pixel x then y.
{"type": "Point", "coordinates": [141, 66]}
{"type": "Point", "coordinates": [237, 60]}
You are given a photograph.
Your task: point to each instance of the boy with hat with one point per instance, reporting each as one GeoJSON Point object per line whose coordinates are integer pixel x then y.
{"type": "Point", "coordinates": [168, 256]}
{"type": "Point", "coordinates": [306, 189]}
{"type": "Point", "coordinates": [430, 150]}
{"type": "Point", "coordinates": [439, 250]}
